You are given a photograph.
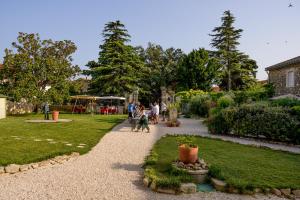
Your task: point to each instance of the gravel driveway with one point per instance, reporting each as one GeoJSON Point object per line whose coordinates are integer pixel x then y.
{"type": "Point", "coordinates": [111, 170]}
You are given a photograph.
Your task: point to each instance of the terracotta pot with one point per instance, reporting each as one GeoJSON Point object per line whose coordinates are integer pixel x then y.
{"type": "Point", "coordinates": [55, 115]}
{"type": "Point", "coordinates": [188, 154]}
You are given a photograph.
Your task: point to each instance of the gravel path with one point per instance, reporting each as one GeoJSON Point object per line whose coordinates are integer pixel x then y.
{"type": "Point", "coordinates": [111, 170]}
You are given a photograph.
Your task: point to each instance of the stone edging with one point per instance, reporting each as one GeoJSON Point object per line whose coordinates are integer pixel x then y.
{"type": "Point", "coordinates": [286, 192]}
{"type": "Point", "coordinates": [221, 186]}
{"type": "Point", "coordinates": [14, 168]}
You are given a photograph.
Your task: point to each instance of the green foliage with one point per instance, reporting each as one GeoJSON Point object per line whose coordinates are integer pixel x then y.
{"type": "Point", "coordinates": [162, 69]}
{"type": "Point", "coordinates": [286, 102]}
{"type": "Point", "coordinates": [34, 64]}
{"type": "Point", "coordinates": [255, 93]}
{"type": "Point", "coordinates": [241, 166]}
{"type": "Point", "coordinates": [198, 70]}
{"type": "Point", "coordinates": [225, 101]}
{"type": "Point", "coordinates": [238, 70]}
{"type": "Point", "coordinates": [119, 69]}
{"type": "Point", "coordinates": [79, 86]}
{"type": "Point", "coordinates": [216, 95]}
{"type": "Point", "coordinates": [200, 105]}
{"type": "Point", "coordinates": [256, 120]}
{"type": "Point", "coordinates": [188, 141]}
{"type": "Point", "coordinates": [185, 96]}
{"type": "Point", "coordinates": [172, 106]}
{"type": "Point", "coordinates": [295, 110]}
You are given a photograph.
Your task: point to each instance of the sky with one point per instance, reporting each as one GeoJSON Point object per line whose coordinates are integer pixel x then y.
{"type": "Point", "coordinates": [271, 28]}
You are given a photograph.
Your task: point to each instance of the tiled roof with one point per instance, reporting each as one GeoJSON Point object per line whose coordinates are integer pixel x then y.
{"type": "Point", "coordinates": [286, 63]}
{"type": "Point", "coordinates": [1, 66]}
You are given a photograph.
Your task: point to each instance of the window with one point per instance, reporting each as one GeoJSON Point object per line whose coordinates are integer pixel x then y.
{"type": "Point", "coordinates": [290, 81]}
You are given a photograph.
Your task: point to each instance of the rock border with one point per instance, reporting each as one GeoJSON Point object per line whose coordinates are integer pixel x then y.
{"type": "Point", "coordinates": [221, 186]}
{"type": "Point", "coordinates": [14, 168]}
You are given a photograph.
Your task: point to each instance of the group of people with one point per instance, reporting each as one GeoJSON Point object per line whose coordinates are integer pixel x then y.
{"type": "Point", "coordinates": [139, 117]}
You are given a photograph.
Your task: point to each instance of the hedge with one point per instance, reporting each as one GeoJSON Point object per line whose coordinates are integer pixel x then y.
{"type": "Point", "coordinates": [256, 120]}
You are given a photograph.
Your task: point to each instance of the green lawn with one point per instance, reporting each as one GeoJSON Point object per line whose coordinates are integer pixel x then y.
{"type": "Point", "coordinates": [244, 167]}
{"type": "Point", "coordinates": [84, 129]}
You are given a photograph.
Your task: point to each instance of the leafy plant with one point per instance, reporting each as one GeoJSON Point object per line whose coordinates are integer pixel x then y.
{"type": "Point", "coordinates": [188, 141]}
{"type": "Point", "coordinates": [286, 102]}
{"type": "Point", "coordinates": [200, 105]}
{"type": "Point", "coordinates": [225, 101]}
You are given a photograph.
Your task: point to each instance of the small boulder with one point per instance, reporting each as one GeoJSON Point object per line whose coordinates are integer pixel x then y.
{"type": "Point", "coordinates": [296, 193]}
{"type": "Point", "coordinates": [276, 192]}
{"type": "Point", "coordinates": [34, 165]}
{"type": "Point", "coordinates": [153, 186]}
{"type": "Point", "coordinates": [24, 168]}
{"type": "Point", "coordinates": [2, 171]}
{"type": "Point", "coordinates": [43, 163]}
{"type": "Point", "coordinates": [258, 190]}
{"type": "Point", "coordinates": [218, 184]}
{"type": "Point", "coordinates": [233, 190]}
{"type": "Point", "coordinates": [146, 181]}
{"type": "Point", "coordinates": [188, 188]}
{"type": "Point", "coordinates": [13, 168]}
{"type": "Point", "coordinates": [52, 162]}
{"type": "Point", "coordinates": [286, 192]}
{"type": "Point", "coordinates": [75, 154]}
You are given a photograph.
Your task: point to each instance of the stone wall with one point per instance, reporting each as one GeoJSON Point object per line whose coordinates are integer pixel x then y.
{"type": "Point", "coordinates": [15, 108]}
{"type": "Point", "coordinates": [278, 79]}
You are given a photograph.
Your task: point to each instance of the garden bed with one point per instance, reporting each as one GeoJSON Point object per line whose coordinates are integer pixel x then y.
{"type": "Point", "coordinates": [241, 168]}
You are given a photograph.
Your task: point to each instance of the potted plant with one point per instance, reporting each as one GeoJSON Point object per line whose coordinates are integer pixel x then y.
{"type": "Point", "coordinates": [55, 115]}
{"type": "Point", "coordinates": [188, 151]}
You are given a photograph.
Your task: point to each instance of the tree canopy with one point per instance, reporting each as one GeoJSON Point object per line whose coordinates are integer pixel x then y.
{"type": "Point", "coordinates": [238, 69]}
{"type": "Point", "coordinates": [162, 68]}
{"type": "Point", "coordinates": [198, 70]}
{"type": "Point", "coordinates": [38, 70]}
{"type": "Point", "coordinates": [119, 68]}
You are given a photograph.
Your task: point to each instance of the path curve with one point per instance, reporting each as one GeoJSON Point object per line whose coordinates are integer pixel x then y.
{"type": "Point", "coordinates": [111, 170]}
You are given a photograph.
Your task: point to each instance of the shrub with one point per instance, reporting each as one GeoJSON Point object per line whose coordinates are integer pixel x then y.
{"type": "Point", "coordinates": [255, 93]}
{"type": "Point", "coordinates": [185, 96]}
{"type": "Point", "coordinates": [200, 105]}
{"type": "Point", "coordinates": [256, 120]}
{"type": "Point", "coordinates": [216, 95]}
{"type": "Point", "coordinates": [225, 101]}
{"type": "Point", "coordinates": [286, 102]}
{"type": "Point", "coordinates": [295, 110]}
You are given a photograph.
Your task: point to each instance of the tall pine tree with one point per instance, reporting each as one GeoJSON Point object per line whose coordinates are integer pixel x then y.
{"type": "Point", "coordinates": [119, 68]}
{"type": "Point", "coordinates": [238, 69]}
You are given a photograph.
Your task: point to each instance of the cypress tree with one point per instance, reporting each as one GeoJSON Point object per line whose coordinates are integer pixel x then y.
{"type": "Point", "coordinates": [238, 69]}
{"type": "Point", "coordinates": [118, 69]}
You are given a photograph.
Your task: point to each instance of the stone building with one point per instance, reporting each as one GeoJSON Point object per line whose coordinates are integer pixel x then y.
{"type": "Point", "coordinates": [285, 76]}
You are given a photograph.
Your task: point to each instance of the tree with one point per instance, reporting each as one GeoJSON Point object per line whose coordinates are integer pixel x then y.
{"type": "Point", "coordinates": [162, 66]}
{"type": "Point", "coordinates": [79, 86]}
{"type": "Point", "coordinates": [119, 68]}
{"type": "Point", "coordinates": [38, 70]}
{"type": "Point", "coordinates": [198, 70]}
{"type": "Point", "coordinates": [238, 69]}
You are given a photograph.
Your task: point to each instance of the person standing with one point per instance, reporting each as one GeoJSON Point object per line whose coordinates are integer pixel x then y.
{"type": "Point", "coordinates": [156, 112]}
{"type": "Point", "coordinates": [46, 111]}
{"type": "Point", "coordinates": [130, 110]}
{"type": "Point", "coordinates": [163, 110]}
